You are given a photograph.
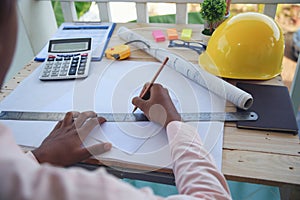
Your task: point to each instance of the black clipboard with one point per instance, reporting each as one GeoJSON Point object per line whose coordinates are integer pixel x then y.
{"type": "Point", "coordinates": [273, 106]}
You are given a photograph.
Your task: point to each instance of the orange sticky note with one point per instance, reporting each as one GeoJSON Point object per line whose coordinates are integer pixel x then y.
{"type": "Point", "coordinates": [172, 34]}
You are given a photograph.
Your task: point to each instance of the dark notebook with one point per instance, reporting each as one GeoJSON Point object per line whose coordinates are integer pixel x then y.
{"type": "Point", "coordinates": [273, 106]}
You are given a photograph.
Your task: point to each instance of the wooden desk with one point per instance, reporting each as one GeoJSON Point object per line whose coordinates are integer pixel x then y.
{"type": "Point", "coordinates": [265, 157]}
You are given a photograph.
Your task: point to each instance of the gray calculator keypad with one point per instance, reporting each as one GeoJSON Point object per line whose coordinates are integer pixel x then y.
{"type": "Point", "coordinates": [65, 66]}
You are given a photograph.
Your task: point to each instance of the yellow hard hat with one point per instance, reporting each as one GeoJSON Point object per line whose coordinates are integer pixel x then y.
{"type": "Point", "coordinates": [245, 46]}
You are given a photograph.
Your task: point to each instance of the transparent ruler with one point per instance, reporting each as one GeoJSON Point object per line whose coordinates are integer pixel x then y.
{"type": "Point", "coordinates": [130, 117]}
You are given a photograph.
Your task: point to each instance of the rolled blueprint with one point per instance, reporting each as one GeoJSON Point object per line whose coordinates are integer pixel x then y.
{"type": "Point", "coordinates": [193, 72]}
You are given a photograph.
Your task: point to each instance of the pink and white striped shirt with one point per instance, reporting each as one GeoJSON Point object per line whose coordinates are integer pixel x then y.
{"type": "Point", "coordinates": [22, 177]}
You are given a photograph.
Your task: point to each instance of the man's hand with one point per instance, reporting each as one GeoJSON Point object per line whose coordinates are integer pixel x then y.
{"type": "Point", "coordinates": [158, 107]}
{"type": "Point", "coordinates": [63, 146]}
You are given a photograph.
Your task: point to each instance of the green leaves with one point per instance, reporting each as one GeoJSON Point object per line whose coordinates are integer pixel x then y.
{"type": "Point", "coordinates": [213, 10]}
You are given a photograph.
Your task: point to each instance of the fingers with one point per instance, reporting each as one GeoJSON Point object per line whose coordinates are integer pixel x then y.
{"type": "Point", "coordinates": [101, 120]}
{"type": "Point", "coordinates": [144, 88]}
{"type": "Point", "coordinates": [81, 119]}
{"type": "Point", "coordinates": [89, 125]}
{"type": "Point", "coordinates": [83, 132]}
{"type": "Point", "coordinates": [58, 125]}
{"type": "Point", "coordinates": [146, 95]}
{"type": "Point", "coordinates": [97, 149]}
{"type": "Point", "coordinates": [142, 102]}
{"type": "Point", "coordinates": [83, 125]}
{"type": "Point", "coordinates": [159, 107]}
{"type": "Point", "coordinates": [158, 89]}
{"type": "Point", "coordinates": [139, 102]}
{"type": "Point", "coordinates": [54, 132]}
{"type": "Point", "coordinates": [69, 118]}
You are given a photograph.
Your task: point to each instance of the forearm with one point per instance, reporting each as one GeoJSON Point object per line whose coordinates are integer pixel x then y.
{"type": "Point", "coordinates": [194, 169]}
{"type": "Point", "coordinates": [22, 177]}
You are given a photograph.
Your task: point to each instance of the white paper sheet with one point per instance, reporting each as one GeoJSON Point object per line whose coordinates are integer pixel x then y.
{"type": "Point", "coordinates": [110, 87]}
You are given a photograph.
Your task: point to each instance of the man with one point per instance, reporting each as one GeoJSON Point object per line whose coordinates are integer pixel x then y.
{"type": "Point", "coordinates": [32, 177]}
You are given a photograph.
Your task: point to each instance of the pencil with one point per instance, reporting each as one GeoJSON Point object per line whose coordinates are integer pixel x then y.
{"type": "Point", "coordinates": [152, 81]}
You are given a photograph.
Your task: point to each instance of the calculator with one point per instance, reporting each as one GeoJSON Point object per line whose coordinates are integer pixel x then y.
{"type": "Point", "coordinates": [67, 59]}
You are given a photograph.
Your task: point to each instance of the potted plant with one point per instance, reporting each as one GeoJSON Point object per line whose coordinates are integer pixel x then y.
{"type": "Point", "coordinates": [213, 12]}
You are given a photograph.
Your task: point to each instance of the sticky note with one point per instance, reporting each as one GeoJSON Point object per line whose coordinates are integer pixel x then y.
{"type": "Point", "coordinates": [186, 34]}
{"type": "Point", "coordinates": [158, 35]}
{"type": "Point", "coordinates": [172, 34]}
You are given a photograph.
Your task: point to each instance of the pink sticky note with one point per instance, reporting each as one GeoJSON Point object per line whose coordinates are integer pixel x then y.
{"type": "Point", "coordinates": [158, 36]}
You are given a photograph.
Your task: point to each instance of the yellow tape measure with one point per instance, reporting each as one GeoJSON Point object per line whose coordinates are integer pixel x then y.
{"type": "Point", "coordinates": [119, 52]}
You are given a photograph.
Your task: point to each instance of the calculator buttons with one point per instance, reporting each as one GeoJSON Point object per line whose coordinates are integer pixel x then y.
{"type": "Point", "coordinates": [50, 59]}
{"type": "Point", "coordinates": [72, 71]}
{"type": "Point", "coordinates": [80, 71]}
{"type": "Point", "coordinates": [45, 74]}
{"type": "Point", "coordinates": [66, 66]}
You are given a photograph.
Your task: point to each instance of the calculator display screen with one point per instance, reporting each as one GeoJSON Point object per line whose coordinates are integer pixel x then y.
{"type": "Point", "coordinates": [69, 47]}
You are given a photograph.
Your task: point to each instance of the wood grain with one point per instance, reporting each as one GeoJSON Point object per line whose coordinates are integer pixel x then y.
{"type": "Point", "coordinates": [259, 167]}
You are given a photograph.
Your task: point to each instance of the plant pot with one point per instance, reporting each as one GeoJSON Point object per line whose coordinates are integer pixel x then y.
{"type": "Point", "coordinates": [205, 38]}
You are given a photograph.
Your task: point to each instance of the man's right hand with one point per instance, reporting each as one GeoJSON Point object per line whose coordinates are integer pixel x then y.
{"type": "Point", "coordinates": [159, 107]}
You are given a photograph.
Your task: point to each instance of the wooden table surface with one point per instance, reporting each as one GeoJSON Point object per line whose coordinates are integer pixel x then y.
{"type": "Point", "coordinates": [265, 157]}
